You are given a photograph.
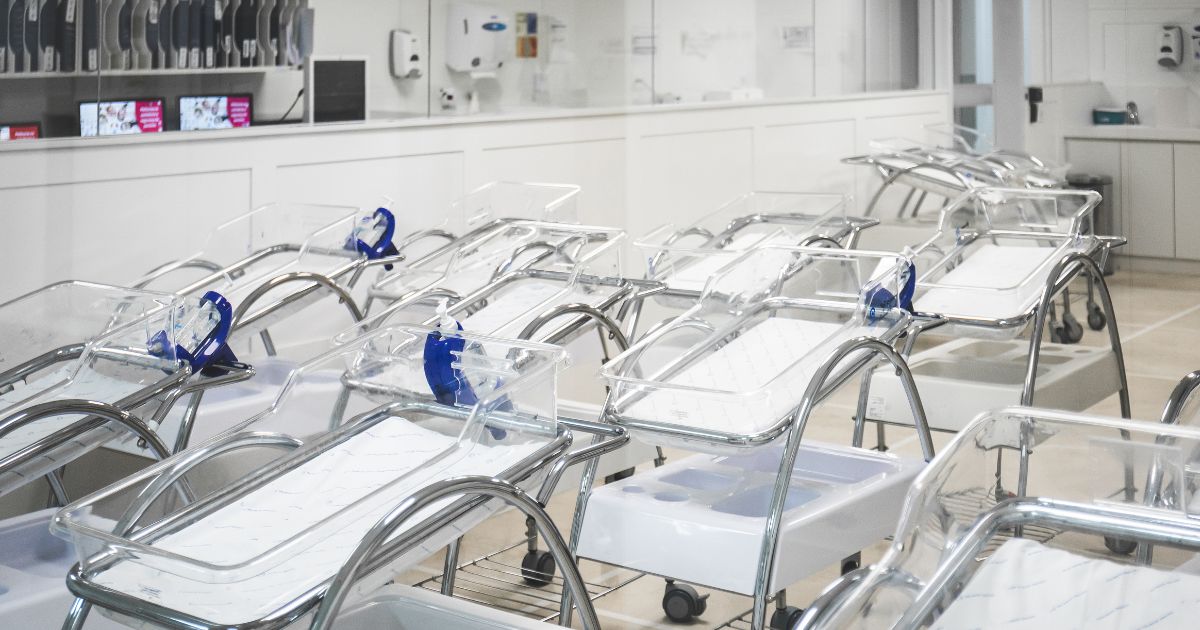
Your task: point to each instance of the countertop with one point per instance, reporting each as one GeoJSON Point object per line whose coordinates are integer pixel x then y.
{"type": "Point", "coordinates": [1134, 132]}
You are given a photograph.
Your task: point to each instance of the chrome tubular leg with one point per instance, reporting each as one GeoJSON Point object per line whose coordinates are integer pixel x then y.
{"type": "Point", "coordinates": [339, 408]}
{"type": "Point", "coordinates": [57, 490]}
{"type": "Point", "coordinates": [77, 615]}
{"type": "Point", "coordinates": [450, 568]}
{"type": "Point", "coordinates": [860, 412]}
{"type": "Point", "coordinates": [268, 344]}
{"type": "Point", "coordinates": [188, 422]}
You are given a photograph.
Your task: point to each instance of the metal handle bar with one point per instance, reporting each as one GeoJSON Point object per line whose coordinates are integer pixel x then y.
{"type": "Point", "coordinates": [471, 486]}
{"type": "Point", "coordinates": [294, 276]}
{"type": "Point", "coordinates": [91, 408]}
{"type": "Point", "coordinates": [586, 310]}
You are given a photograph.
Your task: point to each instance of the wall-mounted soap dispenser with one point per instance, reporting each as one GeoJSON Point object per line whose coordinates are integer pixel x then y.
{"type": "Point", "coordinates": [1170, 48]}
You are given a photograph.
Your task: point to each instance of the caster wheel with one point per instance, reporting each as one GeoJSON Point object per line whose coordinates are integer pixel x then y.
{"type": "Point", "coordinates": [1120, 545]}
{"type": "Point", "coordinates": [1056, 334]}
{"type": "Point", "coordinates": [682, 603]}
{"type": "Point", "coordinates": [1072, 330]}
{"type": "Point", "coordinates": [619, 475]}
{"type": "Point", "coordinates": [852, 563]}
{"type": "Point", "coordinates": [537, 568]}
{"type": "Point", "coordinates": [1096, 318]}
{"type": "Point", "coordinates": [786, 618]}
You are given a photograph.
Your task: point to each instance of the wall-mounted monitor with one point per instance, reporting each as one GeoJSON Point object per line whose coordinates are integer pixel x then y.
{"type": "Point", "coordinates": [121, 117]}
{"type": "Point", "coordinates": [215, 112]}
{"type": "Point", "coordinates": [335, 89]}
{"type": "Point", "coordinates": [20, 131]}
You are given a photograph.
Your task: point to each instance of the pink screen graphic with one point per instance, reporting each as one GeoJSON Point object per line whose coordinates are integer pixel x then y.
{"type": "Point", "coordinates": [239, 111]}
{"type": "Point", "coordinates": [149, 116]}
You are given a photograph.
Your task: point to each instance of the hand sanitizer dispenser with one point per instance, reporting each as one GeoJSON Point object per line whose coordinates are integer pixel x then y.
{"type": "Point", "coordinates": [476, 38]}
{"type": "Point", "coordinates": [1170, 48]}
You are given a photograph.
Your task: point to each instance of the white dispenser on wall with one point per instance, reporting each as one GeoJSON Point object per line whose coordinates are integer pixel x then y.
{"type": "Point", "coordinates": [476, 38]}
{"type": "Point", "coordinates": [1170, 48]}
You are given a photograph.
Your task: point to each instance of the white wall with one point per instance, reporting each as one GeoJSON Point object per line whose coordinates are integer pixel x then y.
{"type": "Point", "coordinates": [702, 47]}
{"type": "Point", "coordinates": [108, 209]}
{"type": "Point", "coordinates": [1115, 43]}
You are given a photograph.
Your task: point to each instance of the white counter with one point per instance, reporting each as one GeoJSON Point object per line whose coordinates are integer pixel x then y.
{"type": "Point", "coordinates": [1134, 132]}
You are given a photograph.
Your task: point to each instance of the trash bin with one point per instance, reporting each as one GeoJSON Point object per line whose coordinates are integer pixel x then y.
{"type": "Point", "coordinates": [1103, 221]}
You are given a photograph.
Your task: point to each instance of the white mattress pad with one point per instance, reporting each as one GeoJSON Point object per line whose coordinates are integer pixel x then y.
{"type": "Point", "coordinates": [1026, 585]}
{"type": "Point", "coordinates": [993, 282]}
{"type": "Point", "coordinates": [365, 464]}
{"type": "Point", "coordinates": [744, 366]}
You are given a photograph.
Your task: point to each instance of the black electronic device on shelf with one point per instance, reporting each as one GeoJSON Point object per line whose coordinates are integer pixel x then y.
{"type": "Point", "coordinates": [48, 35]}
{"type": "Point", "coordinates": [227, 34]}
{"type": "Point", "coordinates": [4, 56]}
{"type": "Point", "coordinates": [150, 33]}
{"type": "Point", "coordinates": [90, 35]}
{"type": "Point", "coordinates": [125, 34]}
{"type": "Point", "coordinates": [180, 16]}
{"type": "Point", "coordinates": [66, 15]}
{"type": "Point", "coordinates": [247, 32]}
{"type": "Point", "coordinates": [208, 32]}
{"type": "Point", "coordinates": [30, 12]}
{"type": "Point", "coordinates": [196, 23]}
{"type": "Point", "coordinates": [166, 28]}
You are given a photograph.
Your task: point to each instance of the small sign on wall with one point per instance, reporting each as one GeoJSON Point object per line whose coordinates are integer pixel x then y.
{"type": "Point", "coordinates": [797, 37]}
{"type": "Point", "coordinates": [527, 35]}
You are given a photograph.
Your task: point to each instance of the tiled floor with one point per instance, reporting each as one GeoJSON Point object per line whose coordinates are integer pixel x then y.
{"type": "Point", "coordinates": [1159, 321]}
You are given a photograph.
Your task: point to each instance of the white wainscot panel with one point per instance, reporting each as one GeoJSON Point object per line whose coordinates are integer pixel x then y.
{"type": "Point", "coordinates": [805, 157]}
{"type": "Point", "coordinates": [681, 177]}
{"type": "Point", "coordinates": [112, 231]}
{"type": "Point", "coordinates": [420, 186]}
{"type": "Point", "coordinates": [597, 166]}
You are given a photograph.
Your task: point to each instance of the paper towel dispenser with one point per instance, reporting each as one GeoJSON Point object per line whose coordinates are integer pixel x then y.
{"type": "Point", "coordinates": [477, 38]}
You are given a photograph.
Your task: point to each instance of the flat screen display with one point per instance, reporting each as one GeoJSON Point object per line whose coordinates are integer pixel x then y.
{"type": "Point", "coordinates": [339, 90]}
{"type": "Point", "coordinates": [118, 118]}
{"type": "Point", "coordinates": [20, 131]}
{"type": "Point", "coordinates": [215, 112]}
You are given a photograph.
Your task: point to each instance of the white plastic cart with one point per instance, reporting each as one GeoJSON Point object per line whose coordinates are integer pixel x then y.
{"type": "Point", "coordinates": [760, 502]}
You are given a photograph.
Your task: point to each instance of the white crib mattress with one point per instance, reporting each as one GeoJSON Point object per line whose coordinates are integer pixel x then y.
{"type": "Point", "coordinates": [1028, 585]}
{"type": "Point", "coordinates": [746, 364]}
{"type": "Point", "coordinates": [990, 283]}
{"type": "Point", "coordinates": [298, 501]}
{"type": "Point", "coordinates": [508, 313]}
{"type": "Point", "coordinates": [504, 308]}
{"type": "Point", "coordinates": [86, 385]}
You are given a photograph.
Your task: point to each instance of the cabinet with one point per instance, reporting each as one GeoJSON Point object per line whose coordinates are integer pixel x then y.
{"type": "Point", "coordinates": [1187, 201]}
{"type": "Point", "coordinates": [1148, 175]}
{"type": "Point", "coordinates": [1156, 194]}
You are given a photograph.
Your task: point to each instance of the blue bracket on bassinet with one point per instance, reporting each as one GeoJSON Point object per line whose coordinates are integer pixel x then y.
{"type": "Point", "coordinates": [383, 247]}
{"type": "Point", "coordinates": [879, 300]}
{"type": "Point", "coordinates": [448, 384]}
{"type": "Point", "coordinates": [212, 351]}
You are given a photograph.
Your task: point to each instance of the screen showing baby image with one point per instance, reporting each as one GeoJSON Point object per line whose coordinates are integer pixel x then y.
{"type": "Point", "coordinates": [213, 112]}
{"type": "Point", "coordinates": [118, 118]}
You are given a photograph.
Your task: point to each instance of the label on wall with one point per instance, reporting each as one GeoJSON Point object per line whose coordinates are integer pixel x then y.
{"type": "Point", "coordinates": [527, 35]}
{"type": "Point", "coordinates": [797, 37]}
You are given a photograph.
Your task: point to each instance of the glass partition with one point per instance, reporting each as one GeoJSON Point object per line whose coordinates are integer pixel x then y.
{"type": "Point", "coordinates": [124, 67]}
